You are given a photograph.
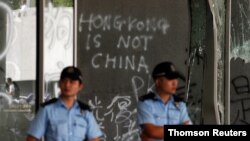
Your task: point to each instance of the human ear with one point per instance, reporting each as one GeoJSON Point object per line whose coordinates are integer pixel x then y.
{"type": "Point", "coordinates": [157, 81]}
{"type": "Point", "coordinates": [81, 86]}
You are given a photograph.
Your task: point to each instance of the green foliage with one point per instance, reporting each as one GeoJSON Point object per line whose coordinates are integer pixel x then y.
{"type": "Point", "coordinates": [64, 3]}
{"type": "Point", "coordinates": [14, 4]}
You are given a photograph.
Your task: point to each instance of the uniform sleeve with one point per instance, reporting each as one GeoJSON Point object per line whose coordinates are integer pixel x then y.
{"type": "Point", "coordinates": [38, 125]}
{"type": "Point", "coordinates": [184, 114]}
{"type": "Point", "coordinates": [144, 113]}
{"type": "Point", "coordinates": [93, 130]}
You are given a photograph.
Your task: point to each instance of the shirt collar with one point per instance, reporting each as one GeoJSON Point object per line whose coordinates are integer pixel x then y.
{"type": "Point", "coordinates": [157, 97]}
{"type": "Point", "coordinates": [61, 103]}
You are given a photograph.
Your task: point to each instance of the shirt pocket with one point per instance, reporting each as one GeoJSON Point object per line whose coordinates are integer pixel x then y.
{"type": "Point", "coordinates": [59, 128]}
{"type": "Point", "coordinates": [80, 128]}
{"type": "Point", "coordinates": [174, 117]}
{"type": "Point", "coordinates": [160, 119]}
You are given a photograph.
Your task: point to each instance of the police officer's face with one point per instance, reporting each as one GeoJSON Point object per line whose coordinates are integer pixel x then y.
{"type": "Point", "coordinates": [70, 87]}
{"type": "Point", "coordinates": [166, 85]}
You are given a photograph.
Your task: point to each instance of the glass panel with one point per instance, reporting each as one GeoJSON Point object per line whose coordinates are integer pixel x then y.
{"type": "Point", "coordinates": [218, 9]}
{"type": "Point", "coordinates": [17, 67]}
{"type": "Point", "coordinates": [58, 42]}
{"type": "Point", "coordinates": [240, 62]}
{"type": "Point", "coordinates": [198, 54]}
{"type": "Point", "coordinates": [196, 60]}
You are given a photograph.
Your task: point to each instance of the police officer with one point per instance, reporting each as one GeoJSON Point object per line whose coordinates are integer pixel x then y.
{"type": "Point", "coordinates": [161, 107]}
{"type": "Point", "coordinates": [65, 118]}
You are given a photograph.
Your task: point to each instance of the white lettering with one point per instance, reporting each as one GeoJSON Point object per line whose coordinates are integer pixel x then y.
{"type": "Point", "coordinates": [174, 132]}
{"type": "Point", "coordinates": [87, 43]}
{"type": "Point", "coordinates": [108, 59]}
{"type": "Point", "coordinates": [130, 62]}
{"type": "Point", "coordinates": [137, 84]}
{"type": "Point", "coordinates": [142, 64]}
{"type": "Point", "coordinates": [122, 41]}
{"type": "Point", "coordinates": [97, 40]}
{"type": "Point", "coordinates": [121, 62]}
{"type": "Point", "coordinates": [117, 22]}
{"type": "Point", "coordinates": [217, 132]}
{"type": "Point", "coordinates": [93, 60]}
{"type": "Point", "coordinates": [134, 42]}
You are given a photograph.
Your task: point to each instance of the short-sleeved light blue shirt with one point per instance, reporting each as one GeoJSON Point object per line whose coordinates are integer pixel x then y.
{"type": "Point", "coordinates": [57, 123]}
{"type": "Point", "coordinates": [152, 110]}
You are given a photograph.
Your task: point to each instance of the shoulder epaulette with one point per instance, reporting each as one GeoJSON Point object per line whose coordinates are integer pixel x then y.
{"type": "Point", "coordinates": [83, 106]}
{"type": "Point", "coordinates": [177, 101]}
{"type": "Point", "coordinates": [178, 98]}
{"type": "Point", "coordinates": [150, 95]}
{"type": "Point", "coordinates": [53, 100]}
